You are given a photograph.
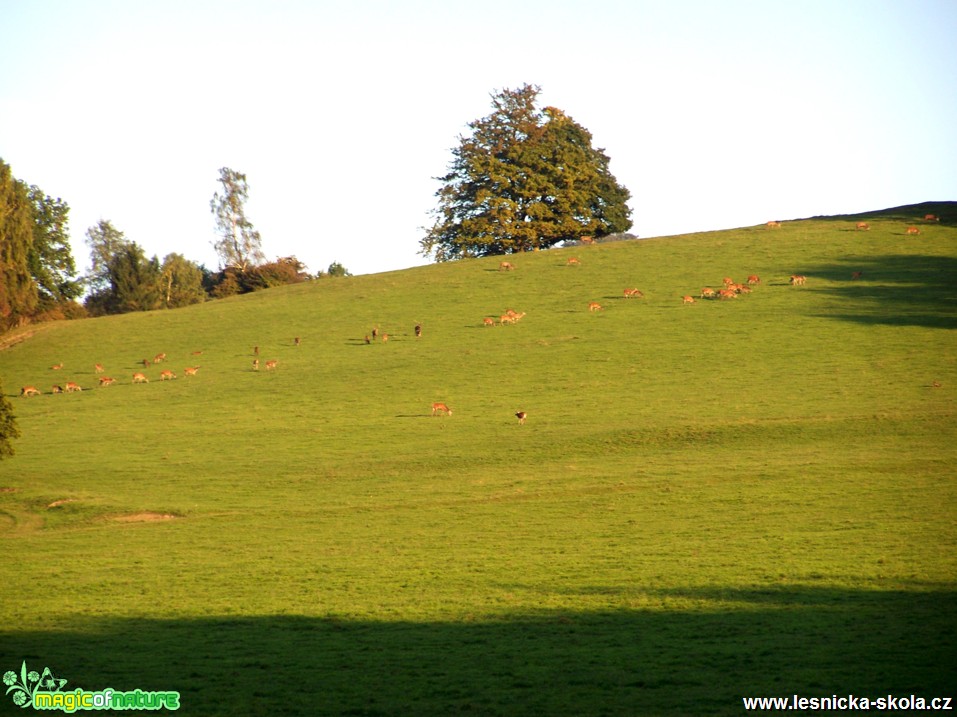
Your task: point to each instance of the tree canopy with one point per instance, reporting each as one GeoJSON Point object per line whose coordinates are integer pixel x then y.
{"type": "Point", "coordinates": [18, 291]}
{"type": "Point", "coordinates": [524, 179]}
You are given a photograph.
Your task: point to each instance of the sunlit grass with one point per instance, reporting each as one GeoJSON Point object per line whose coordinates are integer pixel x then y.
{"type": "Point", "coordinates": [727, 498]}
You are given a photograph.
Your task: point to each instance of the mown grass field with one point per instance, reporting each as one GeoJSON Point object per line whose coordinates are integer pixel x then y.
{"type": "Point", "coordinates": [730, 498]}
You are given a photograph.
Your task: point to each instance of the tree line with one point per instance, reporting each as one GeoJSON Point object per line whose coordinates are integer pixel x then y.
{"type": "Point", "coordinates": [39, 280]}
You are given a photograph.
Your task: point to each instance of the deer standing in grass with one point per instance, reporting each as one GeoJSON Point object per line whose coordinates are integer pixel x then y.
{"type": "Point", "coordinates": [521, 416]}
{"type": "Point", "coordinates": [798, 280]}
{"type": "Point", "coordinates": [863, 226]}
{"type": "Point", "coordinates": [191, 370]}
{"type": "Point", "coordinates": [595, 306]}
{"type": "Point", "coordinates": [71, 387]}
{"type": "Point", "coordinates": [98, 368]}
{"type": "Point", "coordinates": [913, 230]}
{"type": "Point", "coordinates": [29, 391]}
{"type": "Point", "coordinates": [439, 408]}
{"type": "Point", "coordinates": [104, 381]}
{"type": "Point", "coordinates": [159, 358]}
{"type": "Point", "coordinates": [140, 378]}
{"type": "Point", "coordinates": [167, 375]}
{"type": "Point", "coordinates": [57, 388]}
{"type": "Point", "coordinates": [271, 364]}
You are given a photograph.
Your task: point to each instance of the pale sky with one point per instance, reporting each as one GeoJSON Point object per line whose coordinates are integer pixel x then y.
{"type": "Point", "coordinates": [714, 114]}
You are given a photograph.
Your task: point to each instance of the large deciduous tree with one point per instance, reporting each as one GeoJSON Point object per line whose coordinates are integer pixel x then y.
{"type": "Point", "coordinates": [18, 291]}
{"type": "Point", "coordinates": [181, 282]}
{"type": "Point", "coordinates": [524, 179]}
{"type": "Point", "coordinates": [239, 245]}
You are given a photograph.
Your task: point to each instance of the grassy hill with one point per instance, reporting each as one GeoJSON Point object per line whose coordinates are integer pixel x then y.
{"type": "Point", "coordinates": [747, 497]}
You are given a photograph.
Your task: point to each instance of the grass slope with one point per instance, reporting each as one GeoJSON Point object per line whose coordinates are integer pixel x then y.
{"type": "Point", "coordinates": [708, 501]}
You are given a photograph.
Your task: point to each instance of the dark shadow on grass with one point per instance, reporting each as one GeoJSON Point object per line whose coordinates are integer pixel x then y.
{"type": "Point", "coordinates": [697, 651]}
{"type": "Point", "coordinates": [894, 289]}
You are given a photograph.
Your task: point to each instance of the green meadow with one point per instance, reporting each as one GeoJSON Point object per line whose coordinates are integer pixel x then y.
{"type": "Point", "coordinates": [708, 501]}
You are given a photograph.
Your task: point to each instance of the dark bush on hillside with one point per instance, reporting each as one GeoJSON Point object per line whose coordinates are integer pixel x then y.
{"type": "Point", "coordinates": [231, 281]}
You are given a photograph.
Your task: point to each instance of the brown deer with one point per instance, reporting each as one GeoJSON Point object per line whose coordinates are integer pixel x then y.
{"type": "Point", "coordinates": [798, 280]}
{"type": "Point", "coordinates": [375, 332]}
{"type": "Point", "coordinates": [587, 240]}
{"type": "Point", "coordinates": [931, 218]}
{"type": "Point", "coordinates": [29, 391]}
{"type": "Point", "coordinates": [256, 361]}
{"type": "Point", "coordinates": [104, 381]}
{"type": "Point", "coordinates": [773, 225]}
{"type": "Point", "coordinates": [912, 230]}
{"type": "Point", "coordinates": [298, 341]}
{"type": "Point", "coordinates": [167, 375]}
{"type": "Point", "coordinates": [196, 353]}
{"type": "Point", "coordinates": [573, 261]}
{"type": "Point", "coordinates": [754, 279]}
{"type": "Point", "coordinates": [634, 294]}
{"type": "Point", "coordinates": [159, 358]}
{"type": "Point", "coordinates": [863, 226]}
{"type": "Point", "coordinates": [418, 331]}
{"type": "Point", "coordinates": [255, 350]}
{"type": "Point", "coordinates": [98, 368]}
{"type": "Point", "coordinates": [385, 338]}
{"type": "Point", "coordinates": [271, 364]}
{"type": "Point", "coordinates": [728, 281]}
{"type": "Point", "coordinates": [857, 275]}
{"type": "Point", "coordinates": [488, 321]}
{"type": "Point", "coordinates": [727, 294]}
{"type": "Point", "coordinates": [191, 370]}
{"type": "Point", "coordinates": [687, 299]}
{"type": "Point", "coordinates": [438, 408]}
{"type": "Point", "coordinates": [521, 416]}
{"type": "Point", "coordinates": [56, 367]}
{"type": "Point", "coordinates": [595, 306]}
{"type": "Point", "coordinates": [707, 293]}
{"type": "Point", "coordinates": [140, 378]}
{"type": "Point", "coordinates": [57, 389]}
{"type": "Point", "coordinates": [146, 363]}
{"type": "Point", "coordinates": [71, 387]}
{"type": "Point", "coordinates": [505, 266]}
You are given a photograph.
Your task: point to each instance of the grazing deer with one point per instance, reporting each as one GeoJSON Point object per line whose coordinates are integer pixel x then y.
{"type": "Point", "coordinates": [587, 240]}
{"type": "Point", "coordinates": [385, 338]}
{"type": "Point", "coordinates": [728, 281]}
{"type": "Point", "coordinates": [418, 330]}
{"type": "Point", "coordinates": [140, 378]}
{"type": "Point", "coordinates": [488, 321]}
{"type": "Point", "coordinates": [271, 364]}
{"type": "Point", "coordinates": [754, 279]}
{"type": "Point", "coordinates": [863, 226]}
{"type": "Point", "coordinates": [29, 391]}
{"type": "Point", "coordinates": [255, 350]}
{"type": "Point", "coordinates": [57, 367]}
{"type": "Point", "coordinates": [634, 294]}
{"type": "Point", "coordinates": [727, 294]}
{"type": "Point", "coordinates": [595, 306]}
{"type": "Point", "coordinates": [707, 293]}
{"type": "Point", "coordinates": [57, 389]}
{"type": "Point", "coordinates": [98, 368]}
{"type": "Point", "coordinates": [167, 375]}
{"type": "Point", "coordinates": [375, 332]}
{"type": "Point", "coordinates": [256, 361]}
{"type": "Point", "coordinates": [741, 288]}
{"type": "Point", "coordinates": [159, 358]}
{"type": "Point", "coordinates": [368, 340]}
{"type": "Point", "coordinates": [104, 381]}
{"type": "Point", "coordinates": [521, 416]}
{"type": "Point", "coordinates": [931, 218]}
{"type": "Point", "coordinates": [857, 275]}
{"type": "Point", "coordinates": [774, 225]}
{"type": "Point", "coordinates": [505, 266]}
{"type": "Point", "coordinates": [196, 353]}
{"type": "Point", "coordinates": [573, 261]}
{"type": "Point", "coordinates": [687, 299]}
{"type": "Point", "coordinates": [506, 319]}
{"type": "Point", "coordinates": [146, 363]}
{"type": "Point", "coordinates": [298, 341]}
{"type": "Point", "coordinates": [71, 387]}
{"type": "Point", "coordinates": [798, 279]}
{"type": "Point", "coordinates": [441, 408]}
{"type": "Point", "coordinates": [191, 370]}
{"type": "Point", "coordinates": [912, 230]}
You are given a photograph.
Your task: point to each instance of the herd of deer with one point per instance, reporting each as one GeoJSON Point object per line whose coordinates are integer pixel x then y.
{"type": "Point", "coordinates": [138, 377]}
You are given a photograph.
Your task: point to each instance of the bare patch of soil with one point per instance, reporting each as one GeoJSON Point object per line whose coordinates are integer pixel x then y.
{"type": "Point", "coordinates": [144, 517]}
